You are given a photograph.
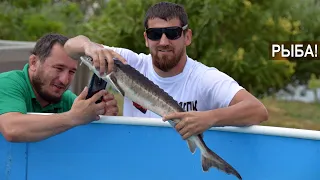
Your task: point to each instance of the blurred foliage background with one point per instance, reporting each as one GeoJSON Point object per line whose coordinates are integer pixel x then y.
{"type": "Point", "coordinates": [231, 35]}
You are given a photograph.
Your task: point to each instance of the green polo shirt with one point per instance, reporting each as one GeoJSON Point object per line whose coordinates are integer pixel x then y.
{"type": "Point", "coordinates": [16, 95]}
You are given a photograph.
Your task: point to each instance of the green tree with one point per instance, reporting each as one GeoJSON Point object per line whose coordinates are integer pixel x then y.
{"type": "Point", "coordinates": [314, 85]}
{"type": "Point", "coordinates": [29, 20]}
{"type": "Point", "coordinates": [231, 35]}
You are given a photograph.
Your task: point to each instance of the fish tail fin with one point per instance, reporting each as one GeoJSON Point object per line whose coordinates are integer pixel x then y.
{"type": "Point", "coordinates": [192, 146]}
{"type": "Point", "coordinates": [210, 159]}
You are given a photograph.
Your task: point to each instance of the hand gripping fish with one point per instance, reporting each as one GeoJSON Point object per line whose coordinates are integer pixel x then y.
{"type": "Point", "coordinates": [132, 84]}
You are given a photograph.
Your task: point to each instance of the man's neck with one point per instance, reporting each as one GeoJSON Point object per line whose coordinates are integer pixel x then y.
{"type": "Point", "coordinates": [174, 71]}
{"type": "Point", "coordinates": [41, 101]}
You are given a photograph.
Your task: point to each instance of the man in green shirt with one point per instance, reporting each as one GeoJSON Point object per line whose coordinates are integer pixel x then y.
{"type": "Point", "coordinates": [42, 87]}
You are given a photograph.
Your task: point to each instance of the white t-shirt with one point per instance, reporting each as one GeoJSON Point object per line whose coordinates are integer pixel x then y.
{"type": "Point", "coordinates": [197, 88]}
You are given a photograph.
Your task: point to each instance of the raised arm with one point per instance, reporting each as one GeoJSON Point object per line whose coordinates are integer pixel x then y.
{"type": "Point", "coordinates": [82, 45]}
{"type": "Point", "coordinates": [75, 47]}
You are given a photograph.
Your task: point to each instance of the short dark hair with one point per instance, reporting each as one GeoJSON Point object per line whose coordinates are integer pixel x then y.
{"type": "Point", "coordinates": [44, 45]}
{"type": "Point", "coordinates": [166, 11]}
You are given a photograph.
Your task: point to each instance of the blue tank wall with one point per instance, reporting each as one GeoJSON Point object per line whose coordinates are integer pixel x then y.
{"type": "Point", "coordinates": [126, 152]}
{"type": "Point", "coordinates": [13, 159]}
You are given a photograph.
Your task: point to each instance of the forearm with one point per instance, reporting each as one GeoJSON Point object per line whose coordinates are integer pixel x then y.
{"type": "Point", "coordinates": [75, 47]}
{"type": "Point", "coordinates": [244, 113]}
{"type": "Point", "coordinates": [30, 128]}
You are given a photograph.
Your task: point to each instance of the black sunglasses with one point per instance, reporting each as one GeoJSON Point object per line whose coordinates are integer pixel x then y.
{"type": "Point", "coordinates": [172, 33]}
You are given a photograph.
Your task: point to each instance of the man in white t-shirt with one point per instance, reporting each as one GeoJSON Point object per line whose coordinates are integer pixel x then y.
{"type": "Point", "coordinates": [210, 97]}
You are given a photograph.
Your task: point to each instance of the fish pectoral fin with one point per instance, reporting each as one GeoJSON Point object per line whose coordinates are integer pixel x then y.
{"type": "Point", "coordinates": [114, 85]}
{"type": "Point", "coordinates": [210, 159]}
{"type": "Point", "coordinates": [201, 135]}
{"type": "Point", "coordinates": [192, 146]}
{"type": "Point", "coordinates": [108, 87]}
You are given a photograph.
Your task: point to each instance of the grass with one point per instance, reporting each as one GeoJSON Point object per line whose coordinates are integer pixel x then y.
{"type": "Point", "coordinates": [290, 114]}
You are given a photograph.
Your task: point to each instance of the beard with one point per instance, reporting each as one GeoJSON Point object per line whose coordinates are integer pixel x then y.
{"type": "Point", "coordinates": [165, 63]}
{"type": "Point", "coordinates": [38, 85]}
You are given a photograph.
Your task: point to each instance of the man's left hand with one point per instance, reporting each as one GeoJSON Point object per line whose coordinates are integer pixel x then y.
{"type": "Point", "coordinates": [111, 108]}
{"type": "Point", "coordinates": [192, 122]}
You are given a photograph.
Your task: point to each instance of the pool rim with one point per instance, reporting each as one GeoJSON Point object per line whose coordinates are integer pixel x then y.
{"type": "Point", "coordinates": [254, 129]}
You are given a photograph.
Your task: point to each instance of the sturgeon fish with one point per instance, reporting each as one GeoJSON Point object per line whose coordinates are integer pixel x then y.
{"type": "Point", "coordinates": [132, 84]}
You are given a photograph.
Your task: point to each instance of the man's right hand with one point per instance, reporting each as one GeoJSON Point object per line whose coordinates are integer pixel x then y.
{"type": "Point", "coordinates": [84, 111]}
{"type": "Point", "coordinates": [82, 45]}
{"type": "Point", "coordinates": [100, 55]}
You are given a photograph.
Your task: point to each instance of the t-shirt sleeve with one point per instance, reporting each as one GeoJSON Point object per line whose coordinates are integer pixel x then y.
{"type": "Point", "coordinates": [133, 59]}
{"type": "Point", "coordinates": [218, 88]}
{"type": "Point", "coordinates": [11, 97]}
